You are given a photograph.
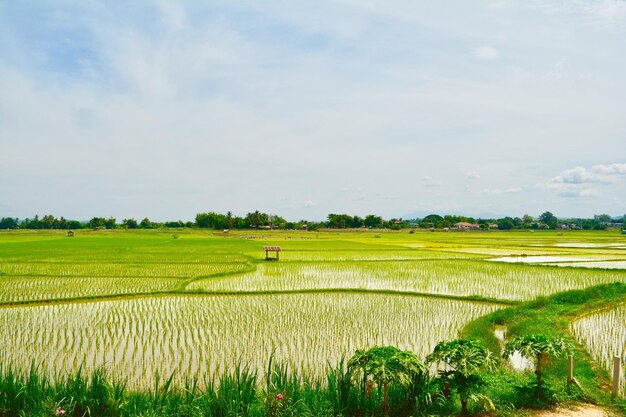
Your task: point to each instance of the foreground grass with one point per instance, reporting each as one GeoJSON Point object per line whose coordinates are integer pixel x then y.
{"type": "Point", "coordinates": [551, 316]}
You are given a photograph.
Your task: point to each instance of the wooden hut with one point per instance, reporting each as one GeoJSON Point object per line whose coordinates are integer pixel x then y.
{"type": "Point", "coordinates": [268, 249]}
{"type": "Point", "coordinates": [70, 233]}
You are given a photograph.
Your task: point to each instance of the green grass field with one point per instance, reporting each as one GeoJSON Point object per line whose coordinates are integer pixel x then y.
{"type": "Point", "coordinates": [141, 302]}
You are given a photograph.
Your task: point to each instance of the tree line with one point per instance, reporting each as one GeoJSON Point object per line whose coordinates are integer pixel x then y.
{"type": "Point", "coordinates": [260, 220]}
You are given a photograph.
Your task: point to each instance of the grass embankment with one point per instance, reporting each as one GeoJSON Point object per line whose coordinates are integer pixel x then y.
{"type": "Point", "coordinates": [551, 316]}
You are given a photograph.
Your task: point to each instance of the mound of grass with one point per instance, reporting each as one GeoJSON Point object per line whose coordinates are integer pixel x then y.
{"type": "Point", "coordinates": [550, 316]}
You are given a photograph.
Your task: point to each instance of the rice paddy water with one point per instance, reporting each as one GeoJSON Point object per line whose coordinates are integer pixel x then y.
{"type": "Point", "coordinates": [205, 302]}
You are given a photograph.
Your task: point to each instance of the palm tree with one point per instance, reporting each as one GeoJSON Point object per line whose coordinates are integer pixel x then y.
{"type": "Point", "coordinates": [464, 358]}
{"type": "Point", "coordinates": [386, 365]}
{"type": "Point", "coordinates": [539, 347]}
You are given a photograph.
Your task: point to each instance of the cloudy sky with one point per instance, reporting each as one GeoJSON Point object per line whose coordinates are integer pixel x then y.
{"type": "Point", "coordinates": [166, 109]}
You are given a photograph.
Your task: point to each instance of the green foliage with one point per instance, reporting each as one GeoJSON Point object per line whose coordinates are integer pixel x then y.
{"type": "Point", "coordinates": [541, 348]}
{"type": "Point", "coordinates": [466, 359]}
{"type": "Point", "coordinates": [387, 365]}
{"type": "Point", "coordinates": [538, 345]}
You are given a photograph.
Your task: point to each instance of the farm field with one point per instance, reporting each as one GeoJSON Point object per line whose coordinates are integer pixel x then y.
{"type": "Point", "coordinates": [603, 333]}
{"type": "Point", "coordinates": [137, 302]}
{"type": "Point", "coordinates": [211, 335]}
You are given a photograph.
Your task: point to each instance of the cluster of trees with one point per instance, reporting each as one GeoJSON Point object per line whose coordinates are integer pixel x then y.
{"type": "Point", "coordinates": [45, 222]}
{"type": "Point", "coordinates": [546, 220]}
{"type": "Point", "coordinates": [51, 222]}
{"type": "Point", "coordinates": [257, 219]}
{"type": "Point", "coordinates": [465, 360]}
{"type": "Point", "coordinates": [342, 221]}
{"type": "Point", "coordinates": [252, 220]}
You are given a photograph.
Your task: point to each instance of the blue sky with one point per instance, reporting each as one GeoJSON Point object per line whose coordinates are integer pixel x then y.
{"type": "Point", "coordinates": [166, 109]}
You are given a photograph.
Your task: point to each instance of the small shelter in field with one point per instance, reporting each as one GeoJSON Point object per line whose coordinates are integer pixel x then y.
{"type": "Point", "coordinates": [268, 249]}
{"type": "Point", "coordinates": [70, 233]}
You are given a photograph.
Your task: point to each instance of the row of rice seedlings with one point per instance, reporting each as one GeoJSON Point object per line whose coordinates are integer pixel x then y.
{"type": "Point", "coordinates": [461, 278]}
{"type": "Point", "coordinates": [497, 251]}
{"type": "Point", "coordinates": [603, 333]}
{"type": "Point", "coordinates": [117, 269]}
{"type": "Point", "coordinates": [174, 256]}
{"type": "Point", "coordinates": [365, 255]}
{"type": "Point", "coordinates": [210, 335]}
{"type": "Point", "coordinates": [18, 289]}
{"type": "Point", "coordinates": [595, 264]}
{"type": "Point", "coordinates": [550, 259]}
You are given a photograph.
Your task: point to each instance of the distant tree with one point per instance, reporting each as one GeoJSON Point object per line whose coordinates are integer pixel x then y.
{"type": "Point", "coordinates": [74, 224]}
{"type": "Point", "coordinates": [110, 223]}
{"type": "Point", "coordinates": [506, 223]}
{"type": "Point", "coordinates": [357, 222]}
{"type": "Point", "coordinates": [527, 220]}
{"type": "Point", "coordinates": [9, 223]}
{"type": "Point", "coordinates": [230, 221]}
{"type": "Point", "coordinates": [339, 221]}
{"type": "Point", "coordinates": [146, 224]}
{"type": "Point", "coordinates": [47, 221]}
{"type": "Point", "coordinates": [432, 220]}
{"type": "Point", "coordinates": [549, 219]}
{"type": "Point", "coordinates": [61, 223]}
{"type": "Point", "coordinates": [372, 221]}
{"type": "Point", "coordinates": [602, 218]}
{"type": "Point", "coordinates": [175, 224]}
{"type": "Point", "coordinates": [257, 219]}
{"type": "Point", "coordinates": [129, 223]}
{"type": "Point", "coordinates": [202, 220]}
{"type": "Point", "coordinates": [97, 222]}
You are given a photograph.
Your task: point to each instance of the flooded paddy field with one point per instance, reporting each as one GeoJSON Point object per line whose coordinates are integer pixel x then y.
{"type": "Point", "coordinates": [138, 302]}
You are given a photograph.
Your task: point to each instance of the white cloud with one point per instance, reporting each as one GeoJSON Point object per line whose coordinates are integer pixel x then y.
{"type": "Point", "coordinates": [485, 52]}
{"type": "Point", "coordinates": [610, 170]}
{"type": "Point", "coordinates": [580, 181]}
{"type": "Point", "coordinates": [597, 174]}
{"type": "Point", "coordinates": [578, 175]}
{"type": "Point", "coordinates": [210, 98]}
{"type": "Point", "coordinates": [498, 191]}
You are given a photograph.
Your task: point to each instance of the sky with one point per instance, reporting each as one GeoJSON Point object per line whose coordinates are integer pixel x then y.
{"type": "Point", "coordinates": [167, 109]}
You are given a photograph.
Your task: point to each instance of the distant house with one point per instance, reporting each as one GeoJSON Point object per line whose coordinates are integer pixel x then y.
{"type": "Point", "coordinates": [70, 233]}
{"type": "Point", "coordinates": [466, 226]}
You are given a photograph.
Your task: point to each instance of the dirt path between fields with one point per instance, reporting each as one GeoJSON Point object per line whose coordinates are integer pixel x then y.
{"type": "Point", "coordinates": [583, 410]}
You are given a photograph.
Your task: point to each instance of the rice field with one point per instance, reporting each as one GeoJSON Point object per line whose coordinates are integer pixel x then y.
{"type": "Point", "coordinates": [603, 333]}
{"type": "Point", "coordinates": [444, 277]}
{"type": "Point", "coordinates": [595, 264]}
{"type": "Point", "coordinates": [156, 270]}
{"type": "Point", "coordinates": [207, 335]}
{"type": "Point", "coordinates": [20, 289]}
{"type": "Point", "coordinates": [166, 323]}
{"type": "Point", "coordinates": [21, 282]}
